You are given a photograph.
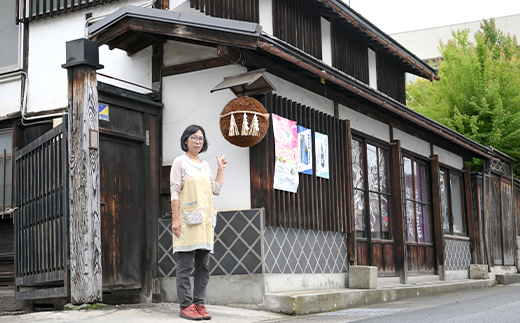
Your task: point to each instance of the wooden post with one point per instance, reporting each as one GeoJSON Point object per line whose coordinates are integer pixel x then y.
{"type": "Point", "coordinates": [84, 172]}
{"type": "Point", "coordinates": [437, 217]}
{"type": "Point", "coordinates": [398, 225]}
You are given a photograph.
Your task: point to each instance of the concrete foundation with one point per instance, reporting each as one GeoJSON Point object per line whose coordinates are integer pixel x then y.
{"type": "Point", "coordinates": [478, 272]}
{"type": "Point", "coordinates": [362, 277]}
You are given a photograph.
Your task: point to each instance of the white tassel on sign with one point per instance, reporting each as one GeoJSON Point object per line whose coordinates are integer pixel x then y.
{"type": "Point", "coordinates": [233, 128]}
{"type": "Point", "coordinates": [245, 126]}
{"type": "Point", "coordinates": [255, 128]}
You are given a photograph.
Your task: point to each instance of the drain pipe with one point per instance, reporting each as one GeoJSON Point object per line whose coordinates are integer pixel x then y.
{"type": "Point", "coordinates": [23, 105]}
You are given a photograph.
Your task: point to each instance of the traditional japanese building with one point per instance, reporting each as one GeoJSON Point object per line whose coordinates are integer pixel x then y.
{"type": "Point", "coordinates": [387, 187]}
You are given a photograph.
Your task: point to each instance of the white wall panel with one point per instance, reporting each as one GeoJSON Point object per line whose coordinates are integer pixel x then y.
{"type": "Point", "coordinates": [448, 158]}
{"type": "Point", "coordinates": [412, 143]}
{"type": "Point", "coordinates": [366, 125]}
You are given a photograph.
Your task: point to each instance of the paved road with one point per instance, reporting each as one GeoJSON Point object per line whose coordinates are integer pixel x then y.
{"type": "Point", "coordinates": [497, 304]}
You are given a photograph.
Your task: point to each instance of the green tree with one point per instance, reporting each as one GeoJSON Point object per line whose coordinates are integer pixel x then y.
{"type": "Point", "coordinates": [479, 91]}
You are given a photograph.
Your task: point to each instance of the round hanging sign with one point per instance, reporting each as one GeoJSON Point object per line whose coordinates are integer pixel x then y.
{"type": "Point", "coordinates": [244, 121]}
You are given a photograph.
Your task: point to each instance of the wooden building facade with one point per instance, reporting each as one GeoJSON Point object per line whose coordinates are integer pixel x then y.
{"type": "Point", "coordinates": [398, 196]}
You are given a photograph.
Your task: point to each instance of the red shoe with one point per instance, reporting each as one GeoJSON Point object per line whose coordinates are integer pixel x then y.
{"type": "Point", "coordinates": [190, 313]}
{"type": "Point", "coordinates": [203, 312]}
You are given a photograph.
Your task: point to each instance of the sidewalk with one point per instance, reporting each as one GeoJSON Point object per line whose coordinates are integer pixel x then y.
{"type": "Point", "coordinates": [276, 307]}
{"type": "Point", "coordinates": [142, 313]}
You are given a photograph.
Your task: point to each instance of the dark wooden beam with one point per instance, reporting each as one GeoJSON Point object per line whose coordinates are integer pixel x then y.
{"type": "Point", "coordinates": [194, 66]}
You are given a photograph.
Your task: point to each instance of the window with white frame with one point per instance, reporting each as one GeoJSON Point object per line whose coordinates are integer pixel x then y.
{"type": "Point", "coordinates": [418, 201]}
{"type": "Point", "coordinates": [371, 190]}
{"type": "Point", "coordinates": [452, 201]}
{"type": "Point", "coordinates": [372, 68]}
{"type": "Point", "coordinates": [9, 37]}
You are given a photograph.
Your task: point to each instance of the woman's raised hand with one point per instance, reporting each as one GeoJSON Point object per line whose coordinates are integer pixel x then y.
{"type": "Point", "coordinates": [222, 162]}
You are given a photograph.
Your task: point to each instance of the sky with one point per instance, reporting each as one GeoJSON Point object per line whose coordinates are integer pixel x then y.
{"type": "Point", "coordinates": [393, 16]}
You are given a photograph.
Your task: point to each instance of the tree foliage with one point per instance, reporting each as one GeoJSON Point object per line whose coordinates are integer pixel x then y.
{"type": "Point", "coordinates": [479, 91]}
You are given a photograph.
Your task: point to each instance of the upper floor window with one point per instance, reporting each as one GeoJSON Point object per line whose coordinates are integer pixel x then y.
{"type": "Point", "coordinates": [452, 202]}
{"type": "Point", "coordinates": [418, 201]}
{"type": "Point", "coordinates": [9, 38]}
{"type": "Point", "coordinates": [371, 190]}
{"type": "Point", "coordinates": [372, 71]}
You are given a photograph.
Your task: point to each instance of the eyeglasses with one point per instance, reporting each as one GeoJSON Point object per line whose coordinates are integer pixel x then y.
{"type": "Point", "coordinates": [195, 138]}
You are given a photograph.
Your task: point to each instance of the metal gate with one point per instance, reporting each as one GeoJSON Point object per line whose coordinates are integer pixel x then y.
{"type": "Point", "coordinates": [41, 222]}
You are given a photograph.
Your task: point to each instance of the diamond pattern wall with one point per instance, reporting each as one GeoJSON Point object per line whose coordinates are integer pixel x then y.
{"type": "Point", "coordinates": [297, 251]}
{"type": "Point", "coordinates": [458, 254]}
{"type": "Point", "coordinates": [237, 249]}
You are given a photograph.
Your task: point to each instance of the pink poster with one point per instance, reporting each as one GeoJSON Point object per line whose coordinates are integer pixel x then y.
{"type": "Point", "coordinates": [285, 151]}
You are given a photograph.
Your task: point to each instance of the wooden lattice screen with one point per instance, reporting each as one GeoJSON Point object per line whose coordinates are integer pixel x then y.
{"type": "Point", "coordinates": [41, 222]}
{"type": "Point", "coordinates": [320, 203]}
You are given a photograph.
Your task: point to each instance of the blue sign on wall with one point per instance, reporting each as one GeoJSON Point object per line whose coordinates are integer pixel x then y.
{"type": "Point", "coordinates": [103, 112]}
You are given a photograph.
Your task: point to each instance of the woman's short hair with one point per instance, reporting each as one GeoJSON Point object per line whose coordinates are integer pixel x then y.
{"type": "Point", "coordinates": [190, 130]}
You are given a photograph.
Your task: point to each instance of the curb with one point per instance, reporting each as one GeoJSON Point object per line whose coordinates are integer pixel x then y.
{"type": "Point", "coordinates": [332, 300]}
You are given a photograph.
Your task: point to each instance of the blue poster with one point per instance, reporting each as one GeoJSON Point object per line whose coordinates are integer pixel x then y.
{"type": "Point", "coordinates": [304, 150]}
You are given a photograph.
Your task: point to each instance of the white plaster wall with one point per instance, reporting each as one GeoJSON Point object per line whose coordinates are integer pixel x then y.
{"type": "Point", "coordinates": [366, 125]}
{"type": "Point", "coordinates": [448, 158]}
{"type": "Point", "coordinates": [412, 143]}
{"type": "Point", "coordinates": [187, 100]}
{"type": "Point", "coordinates": [266, 15]}
{"type": "Point", "coordinates": [10, 88]}
{"type": "Point", "coordinates": [47, 52]}
{"type": "Point", "coordinates": [301, 95]}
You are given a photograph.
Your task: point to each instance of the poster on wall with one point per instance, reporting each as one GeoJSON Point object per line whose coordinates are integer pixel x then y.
{"type": "Point", "coordinates": [285, 151]}
{"type": "Point", "coordinates": [304, 150]}
{"type": "Point", "coordinates": [322, 155]}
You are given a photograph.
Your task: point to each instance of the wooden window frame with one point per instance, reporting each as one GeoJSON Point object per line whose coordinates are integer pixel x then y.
{"type": "Point", "coordinates": [414, 158]}
{"type": "Point", "coordinates": [366, 190]}
{"type": "Point", "coordinates": [448, 173]}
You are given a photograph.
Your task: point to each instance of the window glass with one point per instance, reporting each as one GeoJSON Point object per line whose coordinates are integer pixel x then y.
{"type": "Point", "coordinates": [9, 36]}
{"type": "Point", "coordinates": [359, 200]}
{"type": "Point", "coordinates": [456, 203]}
{"type": "Point", "coordinates": [410, 226]}
{"type": "Point", "coordinates": [444, 201]}
{"type": "Point", "coordinates": [375, 216]}
{"type": "Point", "coordinates": [383, 178]}
{"type": "Point", "coordinates": [372, 164]}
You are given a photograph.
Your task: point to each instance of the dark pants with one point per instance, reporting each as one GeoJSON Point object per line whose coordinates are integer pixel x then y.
{"type": "Point", "coordinates": [186, 262]}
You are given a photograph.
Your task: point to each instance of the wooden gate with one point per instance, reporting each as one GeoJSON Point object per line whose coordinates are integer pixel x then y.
{"type": "Point", "coordinates": [41, 222]}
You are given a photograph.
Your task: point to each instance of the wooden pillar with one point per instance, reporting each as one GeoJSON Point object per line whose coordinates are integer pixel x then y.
{"type": "Point", "coordinates": [84, 172]}
{"type": "Point", "coordinates": [401, 266]}
{"type": "Point", "coordinates": [469, 215]}
{"type": "Point", "coordinates": [437, 217]}
{"type": "Point", "coordinates": [351, 223]}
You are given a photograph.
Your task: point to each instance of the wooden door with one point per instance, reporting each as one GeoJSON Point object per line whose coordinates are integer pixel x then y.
{"type": "Point", "coordinates": [121, 211]}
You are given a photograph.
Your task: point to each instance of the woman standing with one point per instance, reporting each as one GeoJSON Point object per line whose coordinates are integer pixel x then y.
{"type": "Point", "coordinates": [192, 187]}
